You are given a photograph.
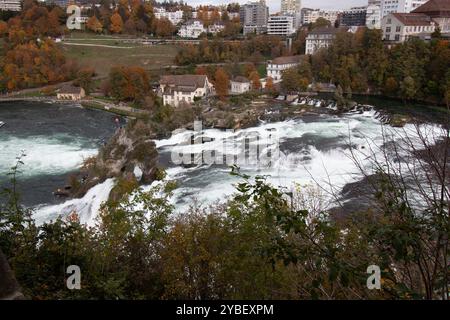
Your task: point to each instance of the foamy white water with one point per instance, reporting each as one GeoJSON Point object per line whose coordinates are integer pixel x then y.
{"type": "Point", "coordinates": [44, 155]}
{"type": "Point", "coordinates": [87, 208]}
{"type": "Point", "coordinates": [312, 151]}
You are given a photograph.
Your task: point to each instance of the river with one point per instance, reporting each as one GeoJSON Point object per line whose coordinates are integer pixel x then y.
{"type": "Point", "coordinates": [55, 139]}
{"type": "Point", "coordinates": [313, 149]}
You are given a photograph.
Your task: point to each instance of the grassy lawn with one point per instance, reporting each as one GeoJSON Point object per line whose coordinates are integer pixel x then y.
{"type": "Point", "coordinates": [102, 58]}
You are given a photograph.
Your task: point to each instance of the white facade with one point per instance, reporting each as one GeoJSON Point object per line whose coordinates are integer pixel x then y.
{"type": "Point", "coordinates": [402, 6]}
{"type": "Point", "coordinates": [311, 15]}
{"type": "Point", "coordinates": [400, 27]}
{"type": "Point", "coordinates": [321, 38]}
{"type": "Point", "coordinates": [373, 16]}
{"type": "Point", "coordinates": [181, 89]}
{"type": "Point", "coordinates": [216, 28]}
{"type": "Point", "coordinates": [175, 17]}
{"type": "Point", "coordinates": [10, 5]}
{"type": "Point", "coordinates": [291, 6]}
{"type": "Point", "coordinates": [276, 67]}
{"type": "Point", "coordinates": [281, 25]}
{"type": "Point", "coordinates": [240, 85]}
{"type": "Point", "coordinates": [192, 29]}
{"type": "Point", "coordinates": [71, 93]}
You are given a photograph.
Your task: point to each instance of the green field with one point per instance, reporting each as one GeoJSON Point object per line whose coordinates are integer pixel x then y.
{"type": "Point", "coordinates": [102, 52]}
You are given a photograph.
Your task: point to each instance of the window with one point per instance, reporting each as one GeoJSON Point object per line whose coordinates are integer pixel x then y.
{"type": "Point", "coordinates": [389, 21]}
{"type": "Point", "coordinates": [397, 37]}
{"type": "Point", "coordinates": [388, 29]}
{"type": "Point", "coordinates": [398, 28]}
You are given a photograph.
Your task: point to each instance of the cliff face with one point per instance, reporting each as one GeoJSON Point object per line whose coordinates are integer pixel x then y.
{"type": "Point", "coordinates": [129, 152]}
{"type": "Point", "coordinates": [9, 288]}
{"type": "Point", "coordinates": [130, 156]}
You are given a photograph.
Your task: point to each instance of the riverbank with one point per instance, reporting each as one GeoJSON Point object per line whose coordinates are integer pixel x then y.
{"type": "Point", "coordinates": [95, 104]}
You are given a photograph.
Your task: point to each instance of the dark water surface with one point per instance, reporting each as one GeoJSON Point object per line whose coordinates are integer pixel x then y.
{"type": "Point", "coordinates": [55, 138]}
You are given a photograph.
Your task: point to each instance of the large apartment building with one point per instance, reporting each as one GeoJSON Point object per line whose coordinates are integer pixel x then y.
{"type": "Point", "coordinates": [355, 16]}
{"type": "Point", "coordinates": [311, 15]}
{"type": "Point", "coordinates": [439, 11]}
{"type": "Point", "coordinates": [420, 23]}
{"type": "Point", "coordinates": [373, 14]}
{"type": "Point", "coordinates": [399, 27]}
{"type": "Point", "coordinates": [291, 6]}
{"type": "Point", "coordinates": [399, 6]}
{"type": "Point", "coordinates": [320, 38]}
{"type": "Point", "coordinates": [10, 5]}
{"type": "Point", "coordinates": [254, 16]}
{"type": "Point", "coordinates": [282, 25]}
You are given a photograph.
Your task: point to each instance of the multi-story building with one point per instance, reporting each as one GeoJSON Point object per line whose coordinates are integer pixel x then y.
{"type": "Point", "coordinates": [320, 38]}
{"type": "Point", "coordinates": [233, 15]}
{"type": "Point", "coordinates": [401, 6]}
{"type": "Point", "coordinates": [175, 17]}
{"type": "Point", "coordinates": [192, 29]}
{"type": "Point", "coordinates": [10, 5]}
{"type": "Point", "coordinates": [179, 89]}
{"type": "Point", "coordinates": [399, 27]}
{"type": "Point", "coordinates": [373, 16]}
{"type": "Point", "coordinates": [254, 16]}
{"type": "Point", "coordinates": [439, 11]}
{"type": "Point", "coordinates": [276, 66]}
{"type": "Point", "coordinates": [311, 15]}
{"type": "Point", "coordinates": [356, 16]}
{"type": "Point", "coordinates": [282, 25]}
{"type": "Point", "coordinates": [216, 28]}
{"type": "Point", "coordinates": [291, 6]}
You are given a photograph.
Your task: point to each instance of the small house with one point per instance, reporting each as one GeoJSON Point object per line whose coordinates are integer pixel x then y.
{"type": "Point", "coordinates": [70, 93]}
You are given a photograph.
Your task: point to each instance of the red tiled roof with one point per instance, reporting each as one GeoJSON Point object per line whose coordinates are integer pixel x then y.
{"type": "Point", "coordinates": [69, 89]}
{"type": "Point", "coordinates": [186, 80]}
{"type": "Point", "coordinates": [413, 19]}
{"type": "Point", "coordinates": [286, 60]}
{"type": "Point", "coordinates": [435, 7]}
{"type": "Point", "coordinates": [241, 79]}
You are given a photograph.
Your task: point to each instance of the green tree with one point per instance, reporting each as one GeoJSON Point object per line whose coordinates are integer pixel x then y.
{"type": "Point", "coordinates": [290, 80]}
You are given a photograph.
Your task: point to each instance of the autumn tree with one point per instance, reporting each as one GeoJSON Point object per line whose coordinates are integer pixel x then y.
{"type": "Point", "coordinates": [130, 27]}
{"type": "Point", "coordinates": [116, 23]}
{"type": "Point", "coordinates": [94, 25]}
{"type": "Point", "coordinates": [290, 81]}
{"type": "Point", "coordinates": [164, 28]}
{"type": "Point", "coordinates": [85, 79]}
{"type": "Point", "coordinates": [129, 83]}
{"type": "Point", "coordinates": [3, 28]}
{"type": "Point", "coordinates": [320, 23]}
{"type": "Point", "coordinates": [255, 80]}
{"type": "Point", "coordinates": [270, 87]}
{"type": "Point", "coordinates": [222, 82]}
{"type": "Point", "coordinates": [200, 70]}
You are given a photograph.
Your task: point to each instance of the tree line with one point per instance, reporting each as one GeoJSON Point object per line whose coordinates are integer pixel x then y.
{"type": "Point", "coordinates": [30, 58]}
{"type": "Point", "coordinates": [361, 63]}
{"type": "Point", "coordinates": [255, 245]}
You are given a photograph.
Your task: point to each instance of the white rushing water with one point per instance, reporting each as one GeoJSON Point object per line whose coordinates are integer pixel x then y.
{"type": "Point", "coordinates": [87, 208]}
{"type": "Point", "coordinates": [44, 155]}
{"type": "Point", "coordinates": [313, 151]}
